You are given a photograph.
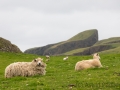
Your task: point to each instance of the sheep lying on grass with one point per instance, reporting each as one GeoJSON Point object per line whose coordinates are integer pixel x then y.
{"type": "Point", "coordinates": [92, 63]}
{"type": "Point", "coordinates": [36, 67]}
{"type": "Point", "coordinates": [47, 57]}
{"type": "Point", "coordinates": [65, 58]}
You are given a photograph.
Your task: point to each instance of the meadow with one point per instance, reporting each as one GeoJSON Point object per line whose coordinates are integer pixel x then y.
{"type": "Point", "coordinates": [61, 75]}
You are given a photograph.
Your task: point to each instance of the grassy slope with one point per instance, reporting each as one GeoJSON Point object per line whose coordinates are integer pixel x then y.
{"type": "Point", "coordinates": [116, 46]}
{"type": "Point", "coordinates": [74, 51]}
{"type": "Point", "coordinates": [61, 75]}
{"type": "Point", "coordinates": [101, 42]}
{"type": "Point", "coordinates": [108, 40]}
{"type": "Point", "coordinates": [80, 36]}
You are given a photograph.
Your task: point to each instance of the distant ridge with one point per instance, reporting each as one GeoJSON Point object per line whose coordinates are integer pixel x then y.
{"type": "Point", "coordinates": [83, 39]}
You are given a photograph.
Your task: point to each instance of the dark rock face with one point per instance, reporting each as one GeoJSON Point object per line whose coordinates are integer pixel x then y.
{"type": "Point", "coordinates": [94, 49]}
{"type": "Point", "coordinates": [38, 50]}
{"type": "Point", "coordinates": [7, 46]}
{"type": "Point", "coordinates": [65, 47]}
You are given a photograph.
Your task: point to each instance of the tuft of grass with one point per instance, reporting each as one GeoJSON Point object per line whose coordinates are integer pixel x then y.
{"type": "Point", "coordinates": [61, 75]}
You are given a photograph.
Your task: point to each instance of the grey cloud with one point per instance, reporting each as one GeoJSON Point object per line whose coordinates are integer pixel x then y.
{"type": "Point", "coordinates": [61, 6]}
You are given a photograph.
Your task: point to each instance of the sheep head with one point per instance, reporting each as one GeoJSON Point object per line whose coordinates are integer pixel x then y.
{"type": "Point", "coordinates": [38, 61]}
{"type": "Point", "coordinates": [96, 56]}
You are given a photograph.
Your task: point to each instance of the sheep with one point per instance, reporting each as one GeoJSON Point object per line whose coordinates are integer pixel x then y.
{"type": "Point", "coordinates": [65, 58]}
{"type": "Point", "coordinates": [92, 63]}
{"type": "Point", "coordinates": [36, 67]}
{"type": "Point", "coordinates": [47, 57]}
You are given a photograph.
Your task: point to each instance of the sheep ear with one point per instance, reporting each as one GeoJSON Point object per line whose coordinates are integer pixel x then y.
{"type": "Point", "coordinates": [35, 60]}
{"type": "Point", "coordinates": [97, 54]}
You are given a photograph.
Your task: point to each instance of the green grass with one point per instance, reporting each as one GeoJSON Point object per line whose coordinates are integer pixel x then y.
{"type": "Point", "coordinates": [74, 51]}
{"type": "Point", "coordinates": [61, 75]}
{"type": "Point", "coordinates": [82, 35]}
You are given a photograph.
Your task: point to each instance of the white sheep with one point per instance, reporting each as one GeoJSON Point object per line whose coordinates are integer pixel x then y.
{"type": "Point", "coordinates": [36, 67]}
{"type": "Point", "coordinates": [65, 58]}
{"type": "Point", "coordinates": [92, 63]}
{"type": "Point", "coordinates": [47, 57]}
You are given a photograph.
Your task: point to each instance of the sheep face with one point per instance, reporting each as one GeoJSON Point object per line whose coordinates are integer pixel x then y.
{"type": "Point", "coordinates": [38, 61]}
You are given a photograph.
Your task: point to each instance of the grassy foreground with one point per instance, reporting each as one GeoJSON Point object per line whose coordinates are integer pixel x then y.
{"type": "Point", "coordinates": [61, 75]}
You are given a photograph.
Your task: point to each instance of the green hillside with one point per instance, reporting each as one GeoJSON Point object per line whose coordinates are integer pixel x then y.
{"type": "Point", "coordinates": [109, 40]}
{"type": "Point", "coordinates": [113, 42]}
{"type": "Point", "coordinates": [61, 75]}
{"type": "Point", "coordinates": [80, 36]}
{"type": "Point", "coordinates": [74, 51]}
{"type": "Point", "coordinates": [83, 39]}
{"type": "Point", "coordinates": [83, 43]}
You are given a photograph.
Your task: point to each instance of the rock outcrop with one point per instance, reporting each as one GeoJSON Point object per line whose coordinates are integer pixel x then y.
{"type": "Point", "coordinates": [7, 46]}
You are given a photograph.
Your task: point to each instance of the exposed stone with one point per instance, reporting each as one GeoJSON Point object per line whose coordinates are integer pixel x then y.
{"type": "Point", "coordinates": [7, 46]}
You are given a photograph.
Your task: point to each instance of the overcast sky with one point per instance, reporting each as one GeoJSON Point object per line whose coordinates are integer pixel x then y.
{"type": "Point", "coordinates": [36, 23]}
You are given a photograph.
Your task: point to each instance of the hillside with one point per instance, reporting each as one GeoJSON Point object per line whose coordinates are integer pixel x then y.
{"type": "Point", "coordinates": [110, 45]}
{"type": "Point", "coordinates": [7, 46]}
{"type": "Point", "coordinates": [84, 43]}
{"type": "Point", "coordinates": [81, 40]}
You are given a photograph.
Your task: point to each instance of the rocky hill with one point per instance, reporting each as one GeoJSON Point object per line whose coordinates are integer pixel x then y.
{"type": "Point", "coordinates": [7, 46]}
{"type": "Point", "coordinates": [81, 40]}
{"type": "Point", "coordinates": [84, 43]}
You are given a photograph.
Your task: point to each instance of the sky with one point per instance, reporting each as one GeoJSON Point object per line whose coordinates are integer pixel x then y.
{"type": "Point", "coordinates": [37, 23]}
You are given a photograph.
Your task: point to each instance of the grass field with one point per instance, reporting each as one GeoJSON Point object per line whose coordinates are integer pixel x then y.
{"type": "Point", "coordinates": [61, 75]}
